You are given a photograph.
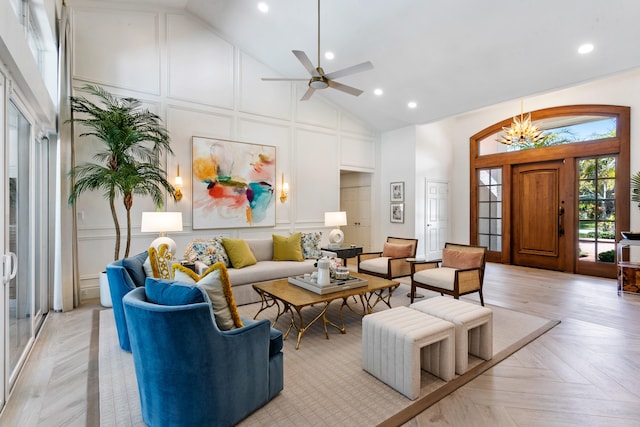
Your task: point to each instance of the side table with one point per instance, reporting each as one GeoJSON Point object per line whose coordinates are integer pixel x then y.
{"type": "Point", "coordinates": [190, 265]}
{"type": "Point", "coordinates": [345, 252]}
{"type": "Point", "coordinates": [419, 261]}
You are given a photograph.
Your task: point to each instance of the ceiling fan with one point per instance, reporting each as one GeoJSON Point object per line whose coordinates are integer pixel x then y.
{"type": "Point", "coordinates": [320, 80]}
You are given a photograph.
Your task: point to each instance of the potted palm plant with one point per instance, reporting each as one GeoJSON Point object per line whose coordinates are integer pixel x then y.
{"type": "Point", "coordinates": [130, 142]}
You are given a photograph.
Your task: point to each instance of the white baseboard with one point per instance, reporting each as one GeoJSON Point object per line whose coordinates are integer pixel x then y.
{"type": "Point", "coordinates": [89, 292]}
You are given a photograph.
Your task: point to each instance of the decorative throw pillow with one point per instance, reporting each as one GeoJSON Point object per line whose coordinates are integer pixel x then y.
{"type": "Point", "coordinates": [215, 282]}
{"type": "Point", "coordinates": [239, 252]}
{"type": "Point", "coordinates": [461, 260]}
{"type": "Point", "coordinates": [190, 253]}
{"type": "Point", "coordinates": [397, 250]}
{"type": "Point", "coordinates": [134, 266]}
{"type": "Point", "coordinates": [287, 248]}
{"type": "Point", "coordinates": [211, 251]}
{"type": "Point", "coordinates": [160, 260]}
{"type": "Point", "coordinates": [311, 245]}
{"type": "Point", "coordinates": [170, 292]}
{"type": "Point", "coordinates": [148, 271]}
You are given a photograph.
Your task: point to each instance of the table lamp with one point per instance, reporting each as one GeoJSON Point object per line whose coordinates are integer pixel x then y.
{"type": "Point", "coordinates": [335, 219]}
{"type": "Point", "coordinates": [162, 222]}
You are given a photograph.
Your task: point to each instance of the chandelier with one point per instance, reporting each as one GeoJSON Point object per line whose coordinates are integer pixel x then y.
{"type": "Point", "coordinates": [521, 131]}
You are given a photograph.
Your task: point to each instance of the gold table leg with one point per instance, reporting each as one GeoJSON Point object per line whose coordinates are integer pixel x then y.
{"type": "Point", "coordinates": [268, 301]}
{"type": "Point", "coordinates": [301, 327]}
{"type": "Point", "coordinates": [383, 295]}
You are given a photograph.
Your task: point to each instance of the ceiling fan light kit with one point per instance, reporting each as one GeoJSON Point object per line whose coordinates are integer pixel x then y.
{"type": "Point", "coordinates": [319, 80]}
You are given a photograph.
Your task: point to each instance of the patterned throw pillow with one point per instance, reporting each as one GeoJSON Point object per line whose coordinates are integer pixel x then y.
{"type": "Point", "coordinates": [160, 260]}
{"type": "Point", "coordinates": [210, 251]}
{"type": "Point", "coordinates": [311, 245]}
{"type": "Point", "coordinates": [215, 282]}
{"type": "Point", "coordinates": [190, 253]}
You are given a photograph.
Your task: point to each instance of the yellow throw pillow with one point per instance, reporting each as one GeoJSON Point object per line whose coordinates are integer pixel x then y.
{"type": "Point", "coordinates": [215, 281]}
{"type": "Point", "coordinates": [239, 252]}
{"type": "Point", "coordinates": [160, 261]}
{"type": "Point", "coordinates": [287, 248]}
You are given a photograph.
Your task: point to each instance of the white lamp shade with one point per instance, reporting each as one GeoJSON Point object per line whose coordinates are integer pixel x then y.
{"type": "Point", "coordinates": [178, 181]}
{"type": "Point", "coordinates": [335, 219]}
{"type": "Point", "coordinates": [161, 222]}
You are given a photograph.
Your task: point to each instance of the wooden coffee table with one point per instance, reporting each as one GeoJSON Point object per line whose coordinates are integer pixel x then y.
{"type": "Point", "coordinates": [289, 298]}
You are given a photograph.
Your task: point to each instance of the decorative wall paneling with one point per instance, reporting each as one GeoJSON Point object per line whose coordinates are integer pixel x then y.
{"type": "Point", "coordinates": [117, 49]}
{"type": "Point", "coordinates": [270, 99]}
{"type": "Point", "coordinates": [200, 65]}
{"type": "Point", "coordinates": [202, 85]}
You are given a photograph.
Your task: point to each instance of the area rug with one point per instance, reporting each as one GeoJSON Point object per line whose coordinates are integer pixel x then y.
{"type": "Point", "coordinates": [324, 383]}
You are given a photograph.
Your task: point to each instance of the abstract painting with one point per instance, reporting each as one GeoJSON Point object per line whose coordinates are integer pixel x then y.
{"type": "Point", "coordinates": [233, 184]}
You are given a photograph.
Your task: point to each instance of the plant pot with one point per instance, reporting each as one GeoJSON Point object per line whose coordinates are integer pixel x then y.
{"type": "Point", "coordinates": [105, 293]}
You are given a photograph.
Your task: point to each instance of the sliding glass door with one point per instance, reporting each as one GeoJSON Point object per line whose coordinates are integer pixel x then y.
{"type": "Point", "coordinates": [20, 301]}
{"type": "Point", "coordinates": [25, 238]}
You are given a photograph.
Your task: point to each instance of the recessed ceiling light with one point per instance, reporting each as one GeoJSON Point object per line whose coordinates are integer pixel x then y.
{"type": "Point", "coordinates": [329, 55]}
{"type": "Point", "coordinates": [585, 48]}
{"type": "Point", "coordinates": [378, 91]}
{"type": "Point", "coordinates": [263, 7]}
{"type": "Point", "coordinates": [412, 104]}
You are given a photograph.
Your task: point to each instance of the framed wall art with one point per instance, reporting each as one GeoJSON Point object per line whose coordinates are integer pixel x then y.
{"type": "Point", "coordinates": [397, 192]}
{"type": "Point", "coordinates": [397, 212]}
{"type": "Point", "coordinates": [233, 184]}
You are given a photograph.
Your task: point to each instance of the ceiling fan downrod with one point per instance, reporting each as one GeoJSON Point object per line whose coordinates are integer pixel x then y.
{"type": "Point", "coordinates": [318, 68]}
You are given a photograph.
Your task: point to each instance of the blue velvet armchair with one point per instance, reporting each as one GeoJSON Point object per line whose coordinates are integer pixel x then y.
{"type": "Point", "coordinates": [190, 373]}
{"type": "Point", "coordinates": [124, 276]}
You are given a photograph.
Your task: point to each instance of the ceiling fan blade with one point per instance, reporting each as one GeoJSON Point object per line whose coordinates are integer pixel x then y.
{"type": "Point", "coordinates": [283, 79]}
{"type": "Point", "coordinates": [302, 57]}
{"type": "Point", "coordinates": [307, 94]}
{"type": "Point", "coordinates": [344, 88]}
{"type": "Point", "coordinates": [350, 70]}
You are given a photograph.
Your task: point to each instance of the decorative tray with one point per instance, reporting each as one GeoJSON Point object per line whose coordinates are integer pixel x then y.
{"type": "Point", "coordinates": [334, 285]}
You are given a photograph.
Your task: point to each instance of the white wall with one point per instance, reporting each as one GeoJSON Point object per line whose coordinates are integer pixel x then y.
{"type": "Point", "coordinates": [435, 161]}
{"type": "Point", "coordinates": [201, 85]}
{"type": "Point", "coordinates": [397, 164]}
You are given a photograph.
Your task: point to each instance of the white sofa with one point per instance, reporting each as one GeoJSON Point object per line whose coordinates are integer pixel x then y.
{"type": "Point", "coordinates": [265, 269]}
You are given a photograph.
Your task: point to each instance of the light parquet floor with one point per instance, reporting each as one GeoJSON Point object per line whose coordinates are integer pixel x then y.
{"type": "Point", "coordinates": [583, 372]}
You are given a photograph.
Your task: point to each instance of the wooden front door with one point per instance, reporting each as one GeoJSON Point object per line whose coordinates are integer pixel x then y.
{"type": "Point", "coordinates": [538, 215]}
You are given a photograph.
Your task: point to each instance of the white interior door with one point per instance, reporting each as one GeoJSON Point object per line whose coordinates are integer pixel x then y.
{"type": "Point", "coordinates": [436, 218]}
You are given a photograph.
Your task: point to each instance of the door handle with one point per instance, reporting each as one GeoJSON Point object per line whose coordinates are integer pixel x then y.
{"type": "Point", "coordinates": [9, 266]}
{"type": "Point", "coordinates": [561, 221]}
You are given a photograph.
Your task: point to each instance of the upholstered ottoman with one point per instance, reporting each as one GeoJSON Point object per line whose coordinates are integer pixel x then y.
{"type": "Point", "coordinates": [397, 342]}
{"type": "Point", "coordinates": [473, 323]}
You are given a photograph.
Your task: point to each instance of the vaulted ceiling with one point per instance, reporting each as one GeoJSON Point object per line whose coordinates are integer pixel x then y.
{"type": "Point", "coordinates": [448, 56]}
